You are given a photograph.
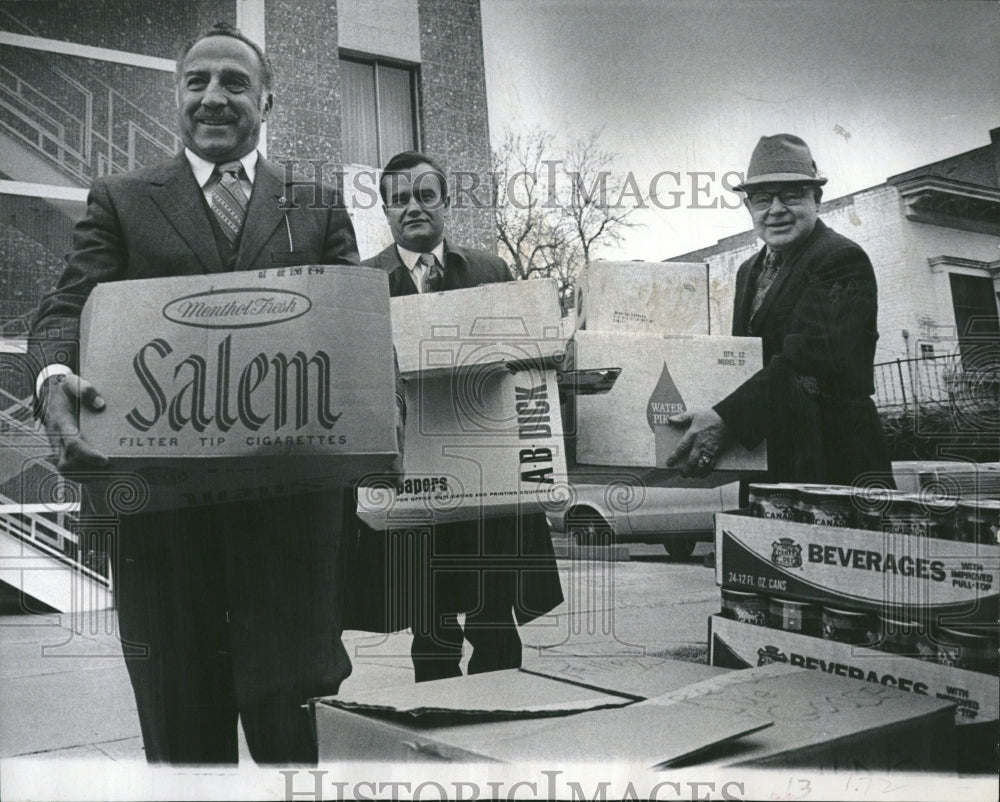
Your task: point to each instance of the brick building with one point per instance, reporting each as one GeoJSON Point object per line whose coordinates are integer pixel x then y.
{"type": "Point", "coordinates": [87, 88]}
{"type": "Point", "coordinates": [932, 234]}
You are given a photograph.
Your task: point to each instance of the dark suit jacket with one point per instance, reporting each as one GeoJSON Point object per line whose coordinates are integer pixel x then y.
{"type": "Point", "coordinates": [463, 268]}
{"type": "Point", "coordinates": [811, 400]}
{"type": "Point", "coordinates": [154, 222]}
{"type": "Point", "coordinates": [459, 575]}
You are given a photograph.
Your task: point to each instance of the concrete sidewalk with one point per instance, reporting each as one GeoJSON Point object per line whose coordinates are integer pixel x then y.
{"type": "Point", "coordinates": [66, 694]}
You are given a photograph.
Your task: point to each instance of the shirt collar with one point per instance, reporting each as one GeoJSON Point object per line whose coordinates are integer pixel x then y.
{"type": "Point", "coordinates": [203, 169]}
{"type": "Point", "coordinates": [410, 257]}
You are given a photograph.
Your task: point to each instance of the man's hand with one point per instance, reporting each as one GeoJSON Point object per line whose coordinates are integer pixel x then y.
{"type": "Point", "coordinates": [701, 445]}
{"type": "Point", "coordinates": [62, 397]}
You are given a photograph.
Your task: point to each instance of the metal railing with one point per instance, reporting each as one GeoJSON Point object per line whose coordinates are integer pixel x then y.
{"type": "Point", "coordinates": [48, 528]}
{"type": "Point", "coordinates": [103, 133]}
{"type": "Point", "coordinates": [940, 379]}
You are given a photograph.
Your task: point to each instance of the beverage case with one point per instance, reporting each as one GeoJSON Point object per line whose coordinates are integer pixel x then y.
{"type": "Point", "coordinates": [947, 582]}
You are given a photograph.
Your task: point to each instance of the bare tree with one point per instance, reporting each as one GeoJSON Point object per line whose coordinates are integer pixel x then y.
{"type": "Point", "coordinates": [598, 200]}
{"type": "Point", "coordinates": [553, 208]}
{"type": "Point", "coordinates": [528, 232]}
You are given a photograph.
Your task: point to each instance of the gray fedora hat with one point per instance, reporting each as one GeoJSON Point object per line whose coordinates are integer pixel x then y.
{"type": "Point", "coordinates": [781, 158]}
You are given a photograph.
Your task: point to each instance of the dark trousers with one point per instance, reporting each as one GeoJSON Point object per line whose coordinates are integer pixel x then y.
{"type": "Point", "coordinates": [436, 649]}
{"type": "Point", "coordinates": [231, 611]}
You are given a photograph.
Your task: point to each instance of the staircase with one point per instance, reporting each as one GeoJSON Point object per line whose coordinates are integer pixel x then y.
{"type": "Point", "coordinates": [79, 125]}
{"type": "Point", "coordinates": [46, 550]}
{"type": "Point", "coordinates": [62, 568]}
{"type": "Point", "coordinates": [59, 126]}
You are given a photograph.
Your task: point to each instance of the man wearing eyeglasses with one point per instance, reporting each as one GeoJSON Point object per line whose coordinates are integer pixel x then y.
{"type": "Point", "coordinates": [810, 295]}
{"type": "Point", "coordinates": [499, 572]}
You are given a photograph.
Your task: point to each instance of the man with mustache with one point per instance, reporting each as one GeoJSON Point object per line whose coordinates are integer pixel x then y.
{"type": "Point", "coordinates": [227, 611]}
{"type": "Point", "coordinates": [810, 295]}
{"type": "Point", "coordinates": [510, 575]}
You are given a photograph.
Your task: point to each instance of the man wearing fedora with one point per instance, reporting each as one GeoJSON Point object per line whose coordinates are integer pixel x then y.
{"type": "Point", "coordinates": [810, 295]}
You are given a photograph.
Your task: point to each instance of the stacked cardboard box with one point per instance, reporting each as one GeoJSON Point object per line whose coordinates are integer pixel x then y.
{"type": "Point", "coordinates": [644, 298]}
{"type": "Point", "coordinates": [647, 713]}
{"type": "Point", "coordinates": [442, 333]}
{"type": "Point", "coordinates": [651, 322]}
{"type": "Point", "coordinates": [483, 430]}
{"type": "Point", "coordinates": [235, 386]}
{"type": "Point", "coordinates": [660, 376]}
{"type": "Point", "coordinates": [908, 585]}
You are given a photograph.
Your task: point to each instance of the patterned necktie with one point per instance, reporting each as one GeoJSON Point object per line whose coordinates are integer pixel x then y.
{"type": "Point", "coordinates": [433, 276]}
{"type": "Point", "coordinates": [772, 264]}
{"type": "Point", "coordinates": [229, 201]}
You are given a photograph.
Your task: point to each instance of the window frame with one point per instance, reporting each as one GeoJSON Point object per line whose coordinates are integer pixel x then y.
{"type": "Point", "coordinates": [375, 61]}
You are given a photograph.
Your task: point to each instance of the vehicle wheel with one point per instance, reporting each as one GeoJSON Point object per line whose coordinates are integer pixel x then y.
{"type": "Point", "coordinates": [588, 528]}
{"type": "Point", "coordinates": [681, 547]}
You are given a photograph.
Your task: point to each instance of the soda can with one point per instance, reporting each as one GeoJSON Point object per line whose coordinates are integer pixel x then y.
{"type": "Point", "coordinates": [849, 626]}
{"type": "Point", "coordinates": [794, 616]}
{"type": "Point", "coordinates": [973, 651]}
{"type": "Point", "coordinates": [871, 505]}
{"type": "Point", "coordinates": [774, 501]}
{"type": "Point", "coordinates": [826, 505]}
{"type": "Point", "coordinates": [903, 637]}
{"type": "Point", "coordinates": [747, 608]}
{"type": "Point", "coordinates": [942, 516]}
{"type": "Point", "coordinates": [906, 516]}
{"type": "Point", "coordinates": [978, 521]}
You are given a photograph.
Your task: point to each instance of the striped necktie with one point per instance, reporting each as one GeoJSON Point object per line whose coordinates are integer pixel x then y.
{"type": "Point", "coordinates": [433, 276]}
{"type": "Point", "coordinates": [772, 264]}
{"type": "Point", "coordinates": [229, 201]}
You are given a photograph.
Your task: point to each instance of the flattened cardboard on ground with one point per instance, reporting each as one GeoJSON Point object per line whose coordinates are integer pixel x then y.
{"type": "Point", "coordinates": [236, 385]}
{"type": "Point", "coordinates": [479, 444]}
{"type": "Point", "coordinates": [952, 583]}
{"type": "Point", "coordinates": [821, 721]}
{"type": "Point", "coordinates": [637, 676]}
{"type": "Point", "coordinates": [644, 297]}
{"type": "Point", "coordinates": [506, 716]}
{"type": "Point", "coordinates": [447, 720]}
{"type": "Point", "coordinates": [737, 645]}
{"type": "Point", "coordinates": [509, 322]}
{"type": "Point", "coordinates": [661, 376]}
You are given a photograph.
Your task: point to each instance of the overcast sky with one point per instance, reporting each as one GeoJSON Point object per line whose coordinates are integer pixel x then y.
{"type": "Point", "coordinates": [679, 85]}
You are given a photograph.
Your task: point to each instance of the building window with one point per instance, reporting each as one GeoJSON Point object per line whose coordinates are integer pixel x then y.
{"type": "Point", "coordinates": [379, 109]}
{"type": "Point", "coordinates": [976, 319]}
{"type": "Point", "coordinates": [926, 351]}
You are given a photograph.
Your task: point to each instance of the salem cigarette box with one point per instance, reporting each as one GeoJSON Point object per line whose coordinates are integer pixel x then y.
{"type": "Point", "coordinates": [737, 645]}
{"type": "Point", "coordinates": [234, 386]}
{"type": "Point", "coordinates": [949, 583]}
{"type": "Point", "coordinates": [509, 322]}
{"type": "Point", "coordinates": [660, 376]}
{"type": "Point", "coordinates": [644, 297]}
{"type": "Point", "coordinates": [478, 444]}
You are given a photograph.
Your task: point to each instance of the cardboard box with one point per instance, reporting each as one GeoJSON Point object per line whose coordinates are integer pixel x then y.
{"type": "Point", "coordinates": [948, 478]}
{"type": "Point", "coordinates": [940, 581]}
{"type": "Point", "coordinates": [660, 376]}
{"type": "Point", "coordinates": [644, 297]}
{"type": "Point", "coordinates": [511, 716]}
{"type": "Point", "coordinates": [510, 322]}
{"type": "Point", "coordinates": [776, 715]}
{"type": "Point", "coordinates": [479, 444]}
{"type": "Point", "coordinates": [732, 644]}
{"type": "Point", "coordinates": [234, 386]}
{"type": "Point", "coordinates": [826, 723]}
